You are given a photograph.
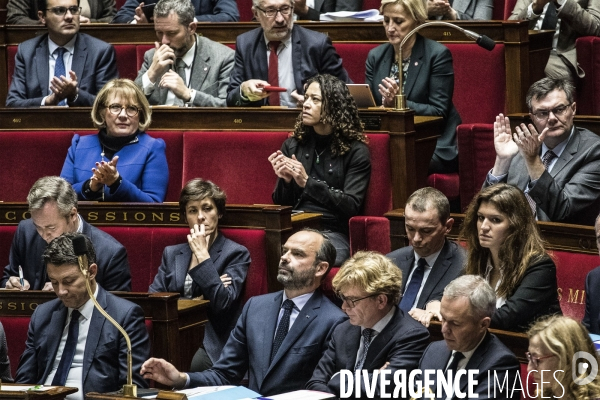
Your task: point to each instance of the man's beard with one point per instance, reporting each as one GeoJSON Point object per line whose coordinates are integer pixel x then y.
{"type": "Point", "coordinates": [295, 280]}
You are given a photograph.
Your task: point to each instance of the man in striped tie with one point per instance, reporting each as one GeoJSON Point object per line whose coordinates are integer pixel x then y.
{"type": "Point", "coordinates": [556, 164]}
{"type": "Point", "coordinates": [378, 334]}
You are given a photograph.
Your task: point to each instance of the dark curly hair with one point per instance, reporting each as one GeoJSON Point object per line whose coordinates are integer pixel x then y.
{"type": "Point", "coordinates": [339, 110]}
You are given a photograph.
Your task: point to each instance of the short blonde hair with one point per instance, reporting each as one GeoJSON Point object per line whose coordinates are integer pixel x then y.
{"type": "Point", "coordinates": [415, 8]}
{"type": "Point", "coordinates": [564, 337]}
{"type": "Point", "coordinates": [371, 272]}
{"type": "Point", "coordinates": [127, 90]}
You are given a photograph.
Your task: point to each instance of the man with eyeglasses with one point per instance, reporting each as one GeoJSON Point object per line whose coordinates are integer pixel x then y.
{"type": "Point", "coordinates": [63, 67]}
{"type": "Point", "coordinates": [280, 337]}
{"type": "Point", "coordinates": [556, 164]}
{"type": "Point", "coordinates": [467, 307]}
{"type": "Point", "coordinates": [25, 12]}
{"type": "Point", "coordinates": [279, 54]}
{"type": "Point", "coordinates": [184, 68]}
{"type": "Point", "coordinates": [378, 334]}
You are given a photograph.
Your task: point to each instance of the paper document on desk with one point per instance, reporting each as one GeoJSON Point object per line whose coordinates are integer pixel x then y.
{"type": "Point", "coordinates": [353, 16]}
{"type": "Point", "coordinates": [25, 388]}
{"type": "Point", "coordinates": [302, 395]}
{"type": "Point", "coordinates": [219, 393]}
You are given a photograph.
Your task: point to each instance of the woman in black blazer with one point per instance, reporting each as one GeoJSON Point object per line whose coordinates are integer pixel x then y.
{"type": "Point", "coordinates": [505, 247]}
{"type": "Point", "coordinates": [428, 75]}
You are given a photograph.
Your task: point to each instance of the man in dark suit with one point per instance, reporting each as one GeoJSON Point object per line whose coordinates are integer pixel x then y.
{"type": "Point", "coordinates": [53, 207]}
{"type": "Point", "coordinates": [25, 12]}
{"type": "Point", "coordinates": [205, 10]}
{"type": "Point", "coordinates": [299, 54]}
{"type": "Point", "coordinates": [204, 65]}
{"type": "Point", "coordinates": [556, 164]}
{"type": "Point", "coordinates": [431, 261]}
{"type": "Point", "coordinates": [64, 67]}
{"type": "Point", "coordinates": [591, 319]}
{"type": "Point", "coordinates": [378, 334]}
{"type": "Point", "coordinates": [280, 337]}
{"type": "Point", "coordinates": [69, 342]}
{"type": "Point", "coordinates": [467, 308]}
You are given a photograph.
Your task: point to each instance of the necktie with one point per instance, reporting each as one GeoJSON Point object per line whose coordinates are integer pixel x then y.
{"type": "Point", "coordinates": [546, 160]}
{"type": "Point", "coordinates": [410, 294]}
{"type": "Point", "coordinates": [273, 73]}
{"type": "Point", "coordinates": [458, 356]}
{"type": "Point", "coordinates": [550, 18]}
{"type": "Point", "coordinates": [284, 326]}
{"type": "Point", "coordinates": [68, 352]}
{"type": "Point", "coordinates": [180, 66]}
{"type": "Point", "coordinates": [367, 336]}
{"type": "Point", "coordinates": [59, 68]}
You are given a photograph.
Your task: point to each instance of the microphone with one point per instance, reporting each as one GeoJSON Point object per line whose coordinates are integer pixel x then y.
{"type": "Point", "coordinates": [80, 250]}
{"type": "Point", "coordinates": [481, 40]}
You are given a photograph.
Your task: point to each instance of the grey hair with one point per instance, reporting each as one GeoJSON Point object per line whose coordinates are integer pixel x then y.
{"type": "Point", "coordinates": [480, 294]}
{"type": "Point", "coordinates": [182, 8]}
{"type": "Point", "coordinates": [256, 3]}
{"type": "Point", "coordinates": [541, 88]}
{"type": "Point", "coordinates": [425, 198]}
{"type": "Point", "coordinates": [52, 188]}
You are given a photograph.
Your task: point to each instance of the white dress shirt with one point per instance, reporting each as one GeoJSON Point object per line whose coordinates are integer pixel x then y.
{"type": "Point", "coordinates": [431, 259]}
{"type": "Point", "coordinates": [462, 363]}
{"type": "Point", "coordinates": [67, 59]}
{"type": "Point", "coordinates": [286, 71]}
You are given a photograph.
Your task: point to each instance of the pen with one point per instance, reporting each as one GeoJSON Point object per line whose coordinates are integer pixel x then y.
{"type": "Point", "coordinates": [21, 280]}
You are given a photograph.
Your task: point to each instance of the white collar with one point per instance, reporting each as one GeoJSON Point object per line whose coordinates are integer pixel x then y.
{"type": "Point", "coordinates": [69, 46]}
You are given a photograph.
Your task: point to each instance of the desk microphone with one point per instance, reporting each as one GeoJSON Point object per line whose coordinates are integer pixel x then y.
{"type": "Point", "coordinates": [80, 249]}
{"type": "Point", "coordinates": [481, 40]}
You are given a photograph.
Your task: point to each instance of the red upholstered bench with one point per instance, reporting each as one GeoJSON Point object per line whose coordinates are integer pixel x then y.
{"type": "Point", "coordinates": [30, 155]}
{"type": "Point", "coordinates": [588, 57]}
{"type": "Point", "coordinates": [571, 271]}
{"type": "Point", "coordinates": [15, 329]}
{"type": "Point", "coordinates": [354, 58]}
{"type": "Point", "coordinates": [236, 161]}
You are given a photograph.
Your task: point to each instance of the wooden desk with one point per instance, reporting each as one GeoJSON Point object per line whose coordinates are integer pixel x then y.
{"type": "Point", "coordinates": [56, 393]}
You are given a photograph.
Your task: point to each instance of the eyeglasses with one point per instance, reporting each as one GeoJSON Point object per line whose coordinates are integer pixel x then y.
{"type": "Point", "coordinates": [271, 12]}
{"type": "Point", "coordinates": [131, 111]}
{"type": "Point", "coordinates": [352, 302]}
{"type": "Point", "coordinates": [61, 11]}
{"type": "Point", "coordinates": [535, 361]}
{"type": "Point", "coordinates": [557, 111]}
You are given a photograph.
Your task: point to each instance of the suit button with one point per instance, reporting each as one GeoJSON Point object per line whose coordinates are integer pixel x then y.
{"type": "Point", "coordinates": [307, 155]}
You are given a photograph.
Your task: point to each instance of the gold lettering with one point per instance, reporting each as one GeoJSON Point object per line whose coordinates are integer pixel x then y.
{"type": "Point", "coordinates": [573, 299]}
{"type": "Point", "coordinates": [93, 216]}
{"type": "Point", "coordinates": [237, 121]}
{"type": "Point", "coordinates": [447, 33]}
{"type": "Point", "coordinates": [559, 294]}
{"type": "Point", "coordinates": [110, 216]}
{"type": "Point", "coordinates": [141, 218]}
{"type": "Point", "coordinates": [10, 216]}
{"type": "Point", "coordinates": [125, 216]}
{"type": "Point", "coordinates": [582, 297]}
{"type": "Point", "coordinates": [26, 215]}
{"type": "Point", "coordinates": [174, 217]}
{"type": "Point", "coordinates": [16, 120]}
{"type": "Point", "coordinates": [33, 306]}
{"type": "Point", "coordinates": [158, 217]}
{"type": "Point", "coordinates": [12, 306]}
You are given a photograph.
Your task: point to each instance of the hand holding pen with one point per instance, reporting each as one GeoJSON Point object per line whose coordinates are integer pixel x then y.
{"type": "Point", "coordinates": [18, 282]}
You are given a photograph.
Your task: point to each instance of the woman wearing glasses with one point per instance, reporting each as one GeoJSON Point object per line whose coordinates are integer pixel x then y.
{"type": "Point", "coordinates": [553, 345]}
{"type": "Point", "coordinates": [121, 162]}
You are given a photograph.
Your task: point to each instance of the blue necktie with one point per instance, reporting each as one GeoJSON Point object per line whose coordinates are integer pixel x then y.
{"type": "Point", "coordinates": [410, 294]}
{"type": "Point", "coordinates": [60, 378]}
{"type": "Point", "coordinates": [59, 68]}
{"type": "Point", "coordinates": [458, 356]}
{"type": "Point", "coordinates": [284, 326]}
{"type": "Point", "coordinates": [367, 336]}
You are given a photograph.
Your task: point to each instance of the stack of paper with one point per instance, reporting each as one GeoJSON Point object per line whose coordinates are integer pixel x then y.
{"type": "Point", "coordinates": [353, 16]}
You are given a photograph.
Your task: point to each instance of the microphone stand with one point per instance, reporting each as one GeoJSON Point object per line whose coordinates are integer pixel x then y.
{"type": "Point", "coordinates": [481, 40]}
{"type": "Point", "coordinates": [80, 248]}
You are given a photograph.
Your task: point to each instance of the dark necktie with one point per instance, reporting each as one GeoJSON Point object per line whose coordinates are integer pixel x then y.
{"type": "Point", "coordinates": [367, 336]}
{"type": "Point", "coordinates": [410, 294]}
{"type": "Point", "coordinates": [550, 18]}
{"type": "Point", "coordinates": [273, 72]}
{"type": "Point", "coordinates": [546, 160]}
{"type": "Point", "coordinates": [180, 66]}
{"type": "Point", "coordinates": [59, 68]}
{"type": "Point", "coordinates": [284, 326]}
{"type": "Point", "coordinates": [458, 356]}
{"type": "Point", "coordinates": [60, 378]}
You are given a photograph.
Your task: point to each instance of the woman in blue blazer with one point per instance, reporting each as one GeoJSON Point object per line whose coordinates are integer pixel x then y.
{"type": "Point", "coordinates": [208, 265]}
{"type": "Point", "coordinates": [121, 162]}
{"type": "Point", "coordinates": [428, 75]}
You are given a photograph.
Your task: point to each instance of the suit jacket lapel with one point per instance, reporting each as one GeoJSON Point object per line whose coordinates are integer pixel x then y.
{"type": "Point", "coordinates": [567, 154]}
{"type": "Point", "coordinates": [476, 359]}
{"type": "Point", "coordinates": [79, 57]}
{"type": "Point", "coordinates": [381, 340]}
{"type": "Point", "coordinates": [42, 57]}
{"type": "Point", "coordinates": [201, 67]}
{"type": "Point", "coordinates": [182, 262]}
{"type": "Point", "coordinates": [93, 335]}
{"type": "Point", "coordinates": [271, 314]}
{"type": "Point", "coordinates": [351, 346]}
{"type": "Point", "coordinates": [439, 268]}
{"type": "Point", "coordinates": [415, 63]}
{"type": "Point", "coordinates": [405, 267]}
{"type": "Point", "coordinates": [259, 50]}
{"type": "Point", "coordinates": [297, 57]}
{"type": "Point", "coordinates": [55, 330]}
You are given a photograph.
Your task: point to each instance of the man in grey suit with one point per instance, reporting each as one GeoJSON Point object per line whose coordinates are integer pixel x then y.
{"type": "Point", "coordinates": [64, 67]}
{"type": "Point", "coordinates": [572, 19]}
{"type": "Point", "coordinates": [556, 164]}
{"type": "Point", "coordinates": [280, 337]}
{"type": "Point", "coordinates": [431, 261]}
{"type": "Point", "coordinates": [185, 68]}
